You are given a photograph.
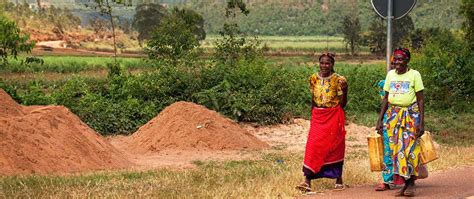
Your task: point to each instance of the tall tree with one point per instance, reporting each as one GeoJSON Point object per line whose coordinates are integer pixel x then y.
{"type": "Point", "coordinates": [234, 46]}
{"type": "Point", "coordinates": [351, 30]}
{"type": "Point", "coordinates": [376, 36]}
{"type": "Point", "coordinates": [105, 8]}
{"type": "Point", "coordinates": [176, 39]}
{"type": "Point", "coordinates": [147, 17]}
{"type": "Point", "coordinates": [193, 20]}
{"type": "Point", "coordinates": [402, 29]}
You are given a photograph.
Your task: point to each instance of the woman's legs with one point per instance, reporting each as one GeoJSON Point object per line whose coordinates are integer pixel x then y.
{"type": "Point", "coordinates": [339, 180]}
{"type": "Point", "coordinates": [410, 187]}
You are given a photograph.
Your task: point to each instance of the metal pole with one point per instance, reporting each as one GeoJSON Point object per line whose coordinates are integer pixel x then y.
{"type": "Point", "coordinates": [389, 33]}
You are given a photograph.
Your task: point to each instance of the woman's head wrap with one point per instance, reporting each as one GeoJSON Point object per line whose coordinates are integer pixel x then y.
{"type": "Point", "coordinates": [403, 52]}
{"type": "Point", "coordinates": [328, 54]}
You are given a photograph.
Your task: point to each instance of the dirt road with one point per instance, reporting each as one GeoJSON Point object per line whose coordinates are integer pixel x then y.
{"type": "Point", "coordinates": [455, 183]}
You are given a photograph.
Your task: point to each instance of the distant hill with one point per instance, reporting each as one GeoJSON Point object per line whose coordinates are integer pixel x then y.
{"type": "Point", "coordinates": [283, 17]}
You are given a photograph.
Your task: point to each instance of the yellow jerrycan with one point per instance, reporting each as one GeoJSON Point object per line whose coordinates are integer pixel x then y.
{"type": "Point", "coordinates": [375, 144]}
{"type": "Point", "coordinates": [428, 150]}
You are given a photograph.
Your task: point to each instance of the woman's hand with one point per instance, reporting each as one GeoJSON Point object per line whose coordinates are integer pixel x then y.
{"type": "Point", "coordinates": [343, 84]}
{"type": "Point", "coordinates": [379, 128]}
{"type": "Point", "coordinates": [420, 130]}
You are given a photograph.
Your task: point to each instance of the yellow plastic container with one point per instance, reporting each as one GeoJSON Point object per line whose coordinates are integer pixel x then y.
{"type": "Point", "coordinates": [375, 144]}
{"type": "Point", "coordinates": [428, 150]}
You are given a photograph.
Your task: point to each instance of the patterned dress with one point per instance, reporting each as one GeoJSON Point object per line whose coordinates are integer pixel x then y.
{"type": "Point", "coordinates": [402, 119]}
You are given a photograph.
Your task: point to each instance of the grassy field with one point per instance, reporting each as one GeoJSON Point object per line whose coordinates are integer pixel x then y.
{"type": "Point", "coordinates": [72, 64]}
{"type": "Point", "coordinates": [63, 67]}
{"type": "Point", "coordinates": [295, 43]}
{"type": "Point", "coordinates": [273, 175]}
{"type": "Point", "coordinates": [274, 43]}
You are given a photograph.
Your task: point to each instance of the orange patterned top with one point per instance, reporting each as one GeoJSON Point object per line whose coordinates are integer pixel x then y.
{"type": "Point", "coordinates": [326, 91]}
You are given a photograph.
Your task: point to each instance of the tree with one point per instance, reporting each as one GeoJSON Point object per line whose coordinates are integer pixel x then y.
{"type": "Point", "coordinates": [467, 9]}
{"type": "Point", "coordinates": [193, 20]}
{"type": "Point", "coordinates": [376, 36]}
{"type": "Point", "coordinates": [402, 29]}
{"type": "Point", "coordinates": [147, 17]}
{"type": "Point", "coordinates": [174, 40]}
{"type": "Point", "coordinates": [234, 46]}
{"type": "Point", "coordinates": [105, 8]}
{"type": "Point", "coordinates": [351, 31]}
{"type": "Point", "coordinates": [12, 41]}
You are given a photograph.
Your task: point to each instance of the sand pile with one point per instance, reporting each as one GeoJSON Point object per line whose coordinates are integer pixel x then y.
{"type": "Point", "coordinates": [188, 126]}
{"type": "Point", "coordinates": [50, 139]}
{"type": "Point", "coordinates": [8, 106]}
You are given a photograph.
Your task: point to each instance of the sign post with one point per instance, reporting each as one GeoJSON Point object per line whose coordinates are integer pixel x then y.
{"type": "Point", "coordinates": [392, 10]}
{"type": "Point", "coordinates": [389, 33]}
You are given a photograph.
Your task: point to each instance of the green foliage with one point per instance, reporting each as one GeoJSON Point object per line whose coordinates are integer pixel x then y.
{"type": "Point", "coordinates": [467, 10]}
{"type": "Point", "coordinates": [12, 40]}
{"type": "Point", "coordinates": [363, 92]}
{"type": "Point", "coordinates": [174, 40]}
{"type": "Point", "coordinates": [11, 90]}
{"type": "Point", "coordinates": [419, 37]}
{"type": "Point", "coordinates": [437, 14]}
{"type": "Point", "coordinates": [66, 64]}
{"type": "Point", "coordinates": [193, 20]}
{"type": "Point", "coordinates": [254, 92]}
{"type": "Point", "coordinates": [234, 46]}
{"type": "Point", "coordinates": [294, 17]}
{"type": "Point", "coordinates": [35, 95]}
{"type": "Point", "coordinates": [114, 69]}
{"type": "Point", "coordinates": [402, 29]}
{"type": "Point", "coordinates": [376, 37]}
{"type": "Point", "coordinates": [147, 17]}
{"type": "Point", "coordinates": [351, 32]}
{"type": "Point", "coordinates": [446, 67]}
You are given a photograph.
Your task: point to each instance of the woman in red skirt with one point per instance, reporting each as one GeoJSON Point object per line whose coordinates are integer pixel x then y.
{"type": "Point", "coordinates": [324, 154]}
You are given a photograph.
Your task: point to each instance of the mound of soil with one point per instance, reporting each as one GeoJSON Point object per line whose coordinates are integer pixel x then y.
{"type": "Point", "coordinates": [8, 106]}
{"type": "Point", "coordinates": [188, 126]}
{"type": "Point", "coordinates": [50, 139]}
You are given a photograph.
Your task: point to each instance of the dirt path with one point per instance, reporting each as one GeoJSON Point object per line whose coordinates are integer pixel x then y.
{"type": "Point", "coordinates": [454, 183]}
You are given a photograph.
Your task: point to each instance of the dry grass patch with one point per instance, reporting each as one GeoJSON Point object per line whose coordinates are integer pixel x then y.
{"type": "Point", "coordinates": [274, 175]}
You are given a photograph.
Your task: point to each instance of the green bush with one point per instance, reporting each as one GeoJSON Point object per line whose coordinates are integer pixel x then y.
{"type": "Point", "coordinates": [446, 66]}
{"type": "Point", "coordinates": [35, 95]}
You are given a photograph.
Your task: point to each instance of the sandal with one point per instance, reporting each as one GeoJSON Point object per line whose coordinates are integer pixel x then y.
{"type": "Point", "coordinates": [339, 187]}
{"type": "Point", "coordinates": [303, 187]}
{"type": "Point", "coordinates": [382, 187]}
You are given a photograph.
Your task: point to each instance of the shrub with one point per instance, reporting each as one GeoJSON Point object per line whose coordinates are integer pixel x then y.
{"type": "Point", "coordinates": [445, 64]}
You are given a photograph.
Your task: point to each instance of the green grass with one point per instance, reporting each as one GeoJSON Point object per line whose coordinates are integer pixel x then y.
{"type": "Point", "coordinates": [295, 43]}
{"type": "Point", "coordinates": [72, 64]}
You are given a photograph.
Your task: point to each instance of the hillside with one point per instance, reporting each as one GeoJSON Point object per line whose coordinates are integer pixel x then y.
{"type": "Point", "coordinates": [289, 17]}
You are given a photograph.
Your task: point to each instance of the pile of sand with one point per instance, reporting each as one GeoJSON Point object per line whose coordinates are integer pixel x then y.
{"type": "Point", "coordinates": [50, 139]}
{"type": "Point", "coordinates": [188, 126]}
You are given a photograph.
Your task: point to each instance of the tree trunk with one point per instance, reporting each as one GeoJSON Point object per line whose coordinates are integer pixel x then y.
{"type": "Point", "coordinates": [109, 10]}
{"type": "Point", "coordinates": [39, 5]}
